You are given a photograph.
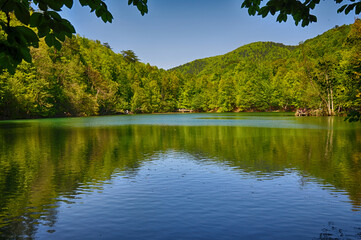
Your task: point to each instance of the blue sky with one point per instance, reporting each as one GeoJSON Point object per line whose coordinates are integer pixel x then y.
{"type": "Point", "coordinates": [175, 32]}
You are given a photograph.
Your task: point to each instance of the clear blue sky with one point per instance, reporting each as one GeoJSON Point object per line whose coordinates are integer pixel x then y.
{"type": "Point", "coordinates": [175, 32]}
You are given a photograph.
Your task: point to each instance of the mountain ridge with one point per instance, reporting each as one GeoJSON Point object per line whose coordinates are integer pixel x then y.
{"type": "Point", "coordinates": [187, 68]}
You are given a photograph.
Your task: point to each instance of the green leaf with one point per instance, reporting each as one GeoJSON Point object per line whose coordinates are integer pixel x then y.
{"type": "Point", "coordinates": [251, 11]}
{"type": "Point", "coordinates": [313, 18]}
{"type": "Point", "coordinates": [15, 37]}
{"type": "Point", "coordinates": [8, 6]}
{"type": "Point", "coordinates": [349, 8]}
{"type": "Point", "coordinates": [68, 34]}
{"type": "Point", "coordinates": [83, 2]}
{"type": "Point", "coordinates": [272, 10]}
{"type": "Point", "coordinates": [22, 13]}
{"type": "Point", "coordinates": [25, 53]}
{"type": "Point", "coordinates": [312, 5]}
{"type": "Point", "coordinates": [55, 4]}
{"type": "Point", "coordinates": [57, 44]}
{"type": "Point", "coordinates": [358, 8]}
{"type": "Point", "coordinates": [104, 18]}
{"type": "Point", "coordinates": [36, 19]}
{"type": "Point", "coordinates": [60, 36]}
{"type": "Point", "coordinates": [55, 15]}
{"type": "Point", "coordinates": [29, 35]}
{"type": "Point", "coordinates": [305, 22]}
{"type": "Point", "coordinates": [43, 30]}
{"type": "Point", "coordinates": [264, 12]}
{"type": "Point", "coordinates": [67, 26]}
{"type": "Point", "coordinates": [4, 62]}
{"type": "Point", "coordinates": [99, 12]}
{"type": "Point", "coordinates": [50, 40]}
{"type": "Point", "coordinates": [43, 6]}
{"type": "Point", "coordinates": [340, 10]}
{"type": "Point", "coordinates": [68, 3]}
{"type": "Point", "coordinates": [109, 17]}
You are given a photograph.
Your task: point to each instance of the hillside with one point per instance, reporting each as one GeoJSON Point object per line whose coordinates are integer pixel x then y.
{"type": "Point", "coordinates": [266, 76]}
{"type": "Point", "coordinates": [328, 42]}
{"type": "Point", "coordinates": [258, 51]}
{"type": "Point", "coordinates": [87, 78]}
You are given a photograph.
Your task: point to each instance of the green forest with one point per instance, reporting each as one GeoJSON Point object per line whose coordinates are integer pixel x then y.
{"type": "Point", "coordinates": [86, 78]}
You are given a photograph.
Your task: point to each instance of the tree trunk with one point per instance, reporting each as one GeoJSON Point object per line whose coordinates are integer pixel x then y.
{"type": "Point", "coordinates": [328, 104]}
{"type": "Point", "coordinates": [332, 106]}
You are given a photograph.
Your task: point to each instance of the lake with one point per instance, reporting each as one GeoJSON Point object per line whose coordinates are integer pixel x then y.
{"type": "Point", "coordinates": [181, 176]}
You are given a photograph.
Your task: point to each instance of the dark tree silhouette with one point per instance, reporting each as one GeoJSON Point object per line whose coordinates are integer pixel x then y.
{"type": "Point", "coordinates": [299, 10]}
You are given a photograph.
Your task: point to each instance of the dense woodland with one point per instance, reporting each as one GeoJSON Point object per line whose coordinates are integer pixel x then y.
{"type": "Point", "coordinates": [87, 78]}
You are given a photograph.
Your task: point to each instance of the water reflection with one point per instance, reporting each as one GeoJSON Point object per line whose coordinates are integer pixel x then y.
{"type": "Point", "coordinates": [41, 166]}
{"type": "Point", "coordinates": [332, 232]}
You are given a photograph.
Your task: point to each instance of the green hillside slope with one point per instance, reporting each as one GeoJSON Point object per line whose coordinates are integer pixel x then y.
{"type": "Point", "coordinates": [266, 76]}
{"type": "Point", "coordinates": [87, 78]}
{"type": "Point", "coordinates": [259, 51]}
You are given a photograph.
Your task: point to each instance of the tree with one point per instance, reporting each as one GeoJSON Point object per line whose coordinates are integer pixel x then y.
{"type": "Point", "coordinates": [21, 25]}
{"type": "Point", "coordinates": [352, 67]}
{"type": "Point", "coordinates": [325, 78]}
{"type": "Point", "coordinates": [129, 56]}
{"type": "Point", "coordinates": [107, 45]}
{"type": "Point", "coordinates": [299, 10]}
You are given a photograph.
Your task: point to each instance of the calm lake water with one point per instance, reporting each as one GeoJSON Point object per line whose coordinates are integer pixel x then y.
{"type": "Point", "coordinates": [181, 176]}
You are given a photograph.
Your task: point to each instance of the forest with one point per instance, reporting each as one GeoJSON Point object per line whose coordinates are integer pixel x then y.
{"type": "Point", "coordinates": [86, 78]}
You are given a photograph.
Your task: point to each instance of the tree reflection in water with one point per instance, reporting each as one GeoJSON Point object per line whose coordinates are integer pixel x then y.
{"type": "Point", "coordinates": [41, 164]}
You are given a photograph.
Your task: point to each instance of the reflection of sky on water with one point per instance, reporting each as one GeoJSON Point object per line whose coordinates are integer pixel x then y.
{"type": "Point", "coordinates": [173, 195]}
{"type": "Point", "coordinates": [112, 172]}
{"type": "Point", "coordinates": [264, 120]}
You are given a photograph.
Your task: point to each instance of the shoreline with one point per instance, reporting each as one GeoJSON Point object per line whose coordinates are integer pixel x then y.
{"type": "Point", "coordinates": [291, 113]}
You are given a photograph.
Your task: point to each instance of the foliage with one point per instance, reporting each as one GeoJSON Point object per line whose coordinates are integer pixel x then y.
{"type": "Point", "coordinates": [129, 56]}
{"type": "Point", "coordinates": [299, 10]}
{"type": "Point", "coordinates": [264, 76]}
{"type": "Point", "coordinates": [352, 66]}
{"type": "Point", "coordinates": [21, 26]}
{"type": "Point", "coordinates": [353, 116]}
{"type": "Point", "coordinates": [87, 78]}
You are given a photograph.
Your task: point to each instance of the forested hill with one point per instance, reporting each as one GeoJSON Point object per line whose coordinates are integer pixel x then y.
{"type": "Point", "coordinates": [87, 78]}
{"type": "Point", "coordinates": [330, 41]}
{"type": "Point", "coordinates": [320, 73]}
{"type": "Point", "coordinates": [258, 51]}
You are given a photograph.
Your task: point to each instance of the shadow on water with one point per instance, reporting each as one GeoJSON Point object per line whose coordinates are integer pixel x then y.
{"type": "Point", "coordinates": [332, 232]}
{"type": "Point", "coordinates": [40, 165]}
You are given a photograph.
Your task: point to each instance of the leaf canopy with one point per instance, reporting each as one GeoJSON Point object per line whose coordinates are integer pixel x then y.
{"type": "Point", "coordinates": [21, 25]}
